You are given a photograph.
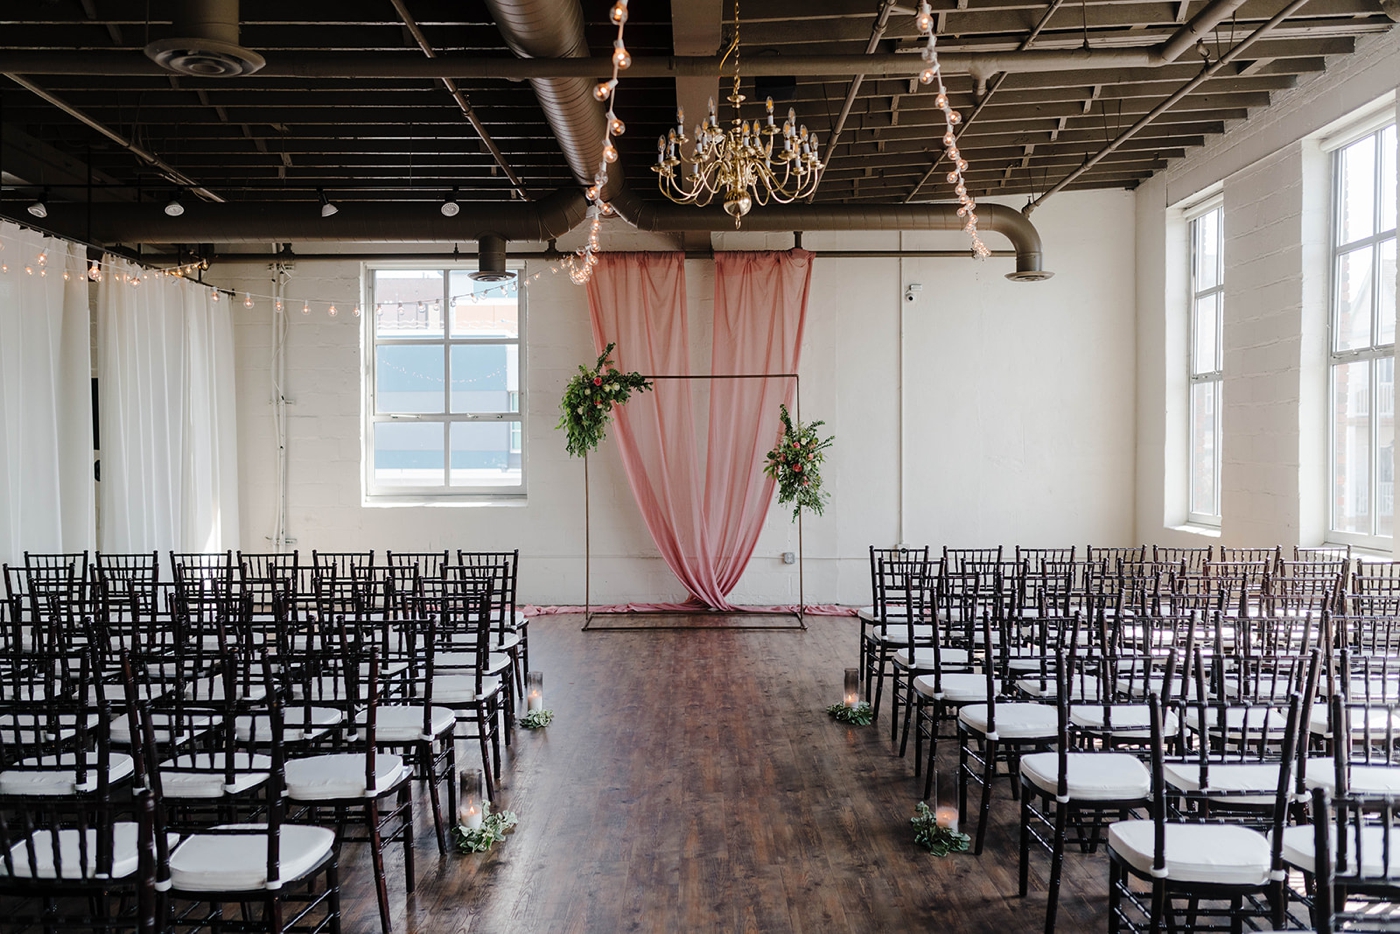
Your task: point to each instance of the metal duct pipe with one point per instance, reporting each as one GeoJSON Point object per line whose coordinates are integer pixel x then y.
{"type": "Point", "coordinates": [254, 222]}
{"type": "Point", "coordinates": [535, 29]}
{"type": "Point", "coordinates": [1010, 223]}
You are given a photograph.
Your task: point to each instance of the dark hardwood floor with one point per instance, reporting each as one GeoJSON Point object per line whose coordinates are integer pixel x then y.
{"type": "Point", "coordinates": [692, 782]}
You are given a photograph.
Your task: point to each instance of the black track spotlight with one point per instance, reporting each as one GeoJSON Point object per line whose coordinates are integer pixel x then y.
{"type": "Point", "coordinates": [327, 209]}
{"type": "Point", "coordinates": [40, 207]}
{"type": "Point", "coordinates": [173, 207]}
{"type": "Point", "coordinates": [450, 207]}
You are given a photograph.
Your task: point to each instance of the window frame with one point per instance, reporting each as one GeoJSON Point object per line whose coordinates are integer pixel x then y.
{"type": "Point", "coordinates": [1371, 353]}
{"type": "Point", "coordinates": [445, 493]}
{"type": "Point", "coordinates": [1214, 376]}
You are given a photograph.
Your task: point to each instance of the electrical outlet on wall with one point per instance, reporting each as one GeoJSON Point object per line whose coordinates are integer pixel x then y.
{"type": "Point", "coordinates": [789, 558]}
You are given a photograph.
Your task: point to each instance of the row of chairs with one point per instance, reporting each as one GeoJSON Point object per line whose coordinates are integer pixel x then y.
{"type": "Point", "coordinates": [1186, 745]}
{"type": "Point", "coordinates": [325, 707]}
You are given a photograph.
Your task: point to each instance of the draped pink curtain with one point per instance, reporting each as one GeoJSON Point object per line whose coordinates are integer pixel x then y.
{"type": "Point", "coordinates": [705, 526]}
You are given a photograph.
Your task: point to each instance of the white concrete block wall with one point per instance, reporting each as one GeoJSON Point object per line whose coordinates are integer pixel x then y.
{"type": "Point", "coordinates": [1276, 185]}
{"type": "Point", "coordinates": [1017, 405]}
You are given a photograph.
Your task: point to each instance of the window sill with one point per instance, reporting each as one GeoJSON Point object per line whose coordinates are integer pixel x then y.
{"type": "Point", "coordinates": [1369, 555]}
{"type": "Point", "coordinates": [1197, 528]}
{"type": "Point", "coordinates": [461, 500]}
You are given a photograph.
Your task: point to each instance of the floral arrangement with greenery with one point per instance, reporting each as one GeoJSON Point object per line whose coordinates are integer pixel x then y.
{"type": "Point", "coordinates": [940, 841]}
{"type": "Point", "coordinates": [796, 464]}
{"type": "Point", "coordinates": [589, 400]}
{"type": "Point", "coordinates": [493, 830]}
{"type": "Point", "coordinates": [537, 719]}
{"type": "Point", "coordinates": [862, 714]}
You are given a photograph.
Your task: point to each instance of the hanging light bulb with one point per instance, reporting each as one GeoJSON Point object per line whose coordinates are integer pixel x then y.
{"type": "Point", "coordinates": [926, 76]}
{"type": "Point", "coordinates": [616, 127]}
{"type": "Point", "coordinates": [306, 308]}
{"type": "Point", "coordinates": [65, 275]}
{"type": "Point", "coordinates": [4, 267]}
{"type": "Point", "coordinates": [604, 90]}
{"type": "Point", "coordinates": [277, 306]}
{"type": "Point", "coordinates": [355, 311]}
{"type": "Point", "coordinates": [619, 13]}
{"type": "Point", "coordinates": [621, 57]}
{"type": "Point", "coordinates": [43, 274]}
{"type": "Point", "coordinates": [332, 312]}
{"type": "Point", "coordinates": [609, 153]}
{"type": "Point", "coordinates": [43, 259]}
{"type": "Point", "coordinates": [924, 21]}
{"type": "Point", "coordinates": [215, 297]}
{"type": "Point", "coordinates": [247, 300]}
{"type": "Point", "coordinates": [29, 270]}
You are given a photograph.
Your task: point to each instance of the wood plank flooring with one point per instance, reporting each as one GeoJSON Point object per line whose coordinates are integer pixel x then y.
{"type": "Point", "coordinates": [692, 782]}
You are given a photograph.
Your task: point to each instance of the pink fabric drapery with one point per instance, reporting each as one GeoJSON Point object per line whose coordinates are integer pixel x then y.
{"type": "Point", "coordinates": [705, 525]}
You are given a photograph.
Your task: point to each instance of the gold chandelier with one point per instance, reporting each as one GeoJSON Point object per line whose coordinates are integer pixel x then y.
{"type": "Point", "coordinates": [750, 163]}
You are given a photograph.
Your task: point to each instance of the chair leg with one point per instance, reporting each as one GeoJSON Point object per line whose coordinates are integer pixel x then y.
{"type": "Point", "coordinates": [333, 890]}
{"type": "Point", "coordinates": [1115, 879]}
{"type": "Point", "coordinates": [1025, 866]}
{"type": "Point", "coordinates": [989, 771]}
{"type": "Point", "coordinates": [1057, 862]}
{"type": "Point", "coordinates": [933, 709]}
{"type": "Point", "coordinates": [879, 682]}
{"type": "Point", "coordinates": [273, 914]}
{"type": "Point", "coordinates": [376, 853]}
{"type": "Point", "coordinates": [405, 808]}
{"type": "Point", "coordinates": [429, 766]}
{"type": "Point", "coordinates": [962, 783]}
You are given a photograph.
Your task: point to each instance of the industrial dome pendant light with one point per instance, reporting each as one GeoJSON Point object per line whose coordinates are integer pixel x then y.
{"type": "Point", "coordinates": [40, 207]}
{"type": "Point", "coordinates": [173, 207]}
{"type": "Point", "coordinates": [327, 209]}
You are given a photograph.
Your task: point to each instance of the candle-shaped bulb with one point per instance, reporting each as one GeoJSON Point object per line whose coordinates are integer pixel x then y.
{"type": "Point", "coordinates": [712, 107]}
{"type": "Point", "coordinates": [680, 116]}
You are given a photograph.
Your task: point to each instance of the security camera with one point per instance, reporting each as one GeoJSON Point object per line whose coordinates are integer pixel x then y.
{"type": "Point", "coordinates": [912, 290]}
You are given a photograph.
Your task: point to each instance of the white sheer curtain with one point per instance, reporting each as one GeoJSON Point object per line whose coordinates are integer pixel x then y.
{"type": "Point", "coordinates": [46, 488]}
{"type": "Point", "coordinates": [169, 428]}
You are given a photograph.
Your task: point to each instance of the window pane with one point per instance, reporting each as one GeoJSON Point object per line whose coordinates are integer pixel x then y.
{"type": "Point", "coordinates": [1205, 359]}
{"type": "Point", "coordinates": [1351, 447]}
{"type": "Point", "coordinates": [408, 453]}
{"type": "Point", "coordinates": [1354, 299]}
{"type": "Point", "coordinates": [1385, 314]}
{"type": "Point", "coordinates": [1388, 178]}
{"type": "Point", "coordinates": [483, 309]}
{"type": "Point", "coordinates": [1385, 445]}
{"type": "Point", "coordinates": [408, 379]}
{"type": "Point", "coordinates": [1208, 250]}
{"type": "Point", "coordinates": [1356, 202]}
{"type": "Point", "coordinates": [482, 454]}
{"type": "Point", "coordinates": [485, 378]}
{"type": "Point", "coordinates": [1203, 434]}
{"type": "Point", "coordinates": [408, 302]}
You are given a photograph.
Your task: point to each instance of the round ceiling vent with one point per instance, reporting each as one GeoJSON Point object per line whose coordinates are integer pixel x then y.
{"type": "Point", "coordinates": [491, 275]}
{"type": "Point", "coordinates": [1030, 275]}
{"type": "Point", "coordinates": [204, 58]}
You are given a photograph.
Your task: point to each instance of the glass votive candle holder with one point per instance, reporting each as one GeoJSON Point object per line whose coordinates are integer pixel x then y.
{"type": "Point", "coordinates": [534, 691]}
{"type": "Point", "coordinates": [471, 800]}
{"type": "Point", "coordinates": [850, 696]}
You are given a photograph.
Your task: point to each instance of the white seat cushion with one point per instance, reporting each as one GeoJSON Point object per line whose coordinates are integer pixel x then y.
{"type": "Point", "coordinates": [126, 857]}
{"type": "Point", "coordinates": [1080, 690]}
{"type": "Point", "coordinates": [24, 728]}
{"type": "Point", "coordinates": [923, 658]}
{"type": "Point", "coordinates": [1091, 776]}
{"type": "Point", "coordinates": [1233, 777]}
{"type": "Point", "coordinates": [162, 725]}
{"type": "Point", "coordinates": [1239, 721]}
{"type": "Point", "coordinates": [461, 689]}
{"type": "Point", "coordinates": [205, 778]}
{"type": "Point", "coordinates": [295, 725]}
{"type": "Point", "coordinates": [212, 689]}
{"type": "Point", "coordinates": [403, 723]}
{"type": "Point", "coordinates": [504, 641]}
{"type": "Point", "coordinates": [1227, 854]}
{"type": "Point", "coordinates": [341, 775]}
{"type": "Point", "coordinates": [957, 688]}
{"type": "Point", "coordinates": [1014, 721]}
{"type": "Point", "coordinates": [1126, 719]}
{"type": "Point", "coordinates": [898, 634]}
{"type": "Point", "coordinates": [1299, 849]}
{"type": "Point", "coordinates": [238, 862]}
{"type": "Point", "coordinates": [1377, 719]}
{"type": "Point", "coordinates": [61, 779]}
{"type": "Point", "coordinates": [1364, 779]}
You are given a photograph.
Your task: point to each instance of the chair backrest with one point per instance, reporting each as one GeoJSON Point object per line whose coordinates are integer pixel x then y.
{"type": "Point", "coordinates": [1359, 889]}
{"type": "Point", "coordinates": [344, 563]}
{"type": "Point", "coordinates": [1193, 560]}
{"type": "Point", "coordinates": [505, 569]}
{"type": "Point", "coordinates": [1266, 556]}
{"type": "Point", "coordinates": [427, 563]}
{"type": "Point", "coordinates": [890, 554]}
{"type": "Point", "coordinates": [267, 583]}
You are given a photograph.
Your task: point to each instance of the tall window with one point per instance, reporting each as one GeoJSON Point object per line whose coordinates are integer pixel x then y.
{"type": "Point", "coordinates": [443, 385]}
{"type": "Point", "coordinates": [1207, 314]}
{"type": "Point", "coordinates": [1363, 339]}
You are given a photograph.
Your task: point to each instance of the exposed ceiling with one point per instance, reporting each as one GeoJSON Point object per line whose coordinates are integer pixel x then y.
{"type": "Point", "coordinates": [279, 136]}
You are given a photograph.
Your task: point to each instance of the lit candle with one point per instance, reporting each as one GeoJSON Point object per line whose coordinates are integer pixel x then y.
{"type": "Point", "coordinates": [851, 695]}
{"type": "Point", "coordinates": [469, 805]}
{"type": "Point", "coordinates": [947, 817]}
{"type": "Point", "coordinates": [534, 691]}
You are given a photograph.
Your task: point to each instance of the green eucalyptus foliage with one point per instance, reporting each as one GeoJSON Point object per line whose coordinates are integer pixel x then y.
{"type": "Point", "coordinates": [492, 831]}
{"type": "Point", "coordinates": [589, 399]}
{"type": "Point", "coordinates": [537, 719]}
{"type": "Point", "coordinates": [940, 841]}
{"type": "Point", "coordinates": [860, 715]}
{"type": "Point", "coordinates": [796, 464]}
